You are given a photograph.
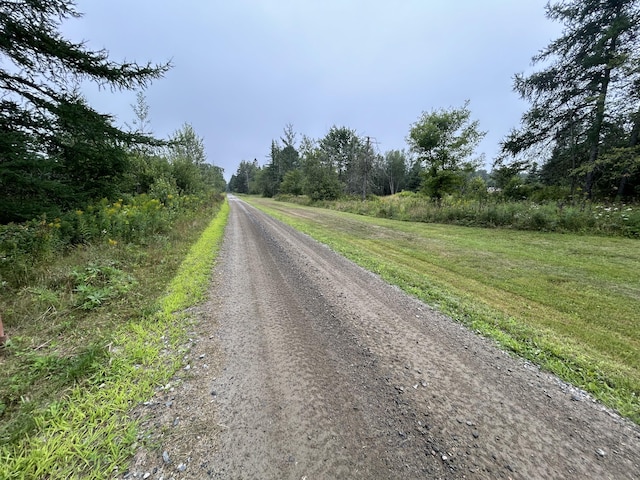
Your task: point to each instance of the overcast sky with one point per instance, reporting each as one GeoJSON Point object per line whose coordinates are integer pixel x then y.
{"type": "Point", "coordinates": [243, 69]}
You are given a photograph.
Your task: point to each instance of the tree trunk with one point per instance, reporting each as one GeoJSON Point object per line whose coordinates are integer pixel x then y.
{"type": "Point", "coordinates": [597, 129]}
{"type": "Point", "coordinates": [573, 159]}
{"type": "Point", "coordinates": [600, 108]}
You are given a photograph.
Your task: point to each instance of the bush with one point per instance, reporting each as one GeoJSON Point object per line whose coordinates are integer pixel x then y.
{"type": "Point", "coordinates": [297, 199]}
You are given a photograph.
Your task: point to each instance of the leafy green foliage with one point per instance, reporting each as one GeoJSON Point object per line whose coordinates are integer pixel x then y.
{"type": "Point", "coordinates": [321, 180]}
{"type": "Point", "coordinates": [593, 219]}
{"type": "Point", "coordinates": [70, 374]}
{"type": "Point", "coordinates": [187, 145]}
{"type": "Point", "coordinates": [340, 162]}
{"type": "Point", "coordinates": [444, 141]}
{"type": "Point", "coordinates": [394, 171]}
{"type": "Point", "coordinates": [150, 174]}
{"type": "Point", "coordinates": [292, 183]}
{"type": "Point", "coordinates": [134, 221]}
{"type": "Point", "coordinates": [284, 158]}
{"type": "Point", "coordinates": [189, 170]}
{"type": "Point", "coordinates": [245, 178]}
{"type": "Point", "coordinates": [341, 150]}
{"type": "Point", "coordinates": [96, 284]}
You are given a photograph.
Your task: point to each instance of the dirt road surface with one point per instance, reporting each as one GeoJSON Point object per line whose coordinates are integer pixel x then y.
{"type": "Point", "coordinates": [304, 366]}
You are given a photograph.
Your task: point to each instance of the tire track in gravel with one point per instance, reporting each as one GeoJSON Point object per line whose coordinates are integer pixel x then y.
{"type": "Point", "coordinates": [292, 392]}
{"type": "Point", "coordinates": [327, 372]}
{"type": "Point", "coordinates": [422, 394]}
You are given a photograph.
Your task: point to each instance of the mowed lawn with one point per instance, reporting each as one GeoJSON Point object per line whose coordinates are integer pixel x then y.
{"type": "Point", "coordinates": [570, 303]}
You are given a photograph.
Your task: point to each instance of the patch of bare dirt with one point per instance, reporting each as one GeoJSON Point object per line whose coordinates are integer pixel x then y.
{"type": "Point", "coordinates": [304, 366]}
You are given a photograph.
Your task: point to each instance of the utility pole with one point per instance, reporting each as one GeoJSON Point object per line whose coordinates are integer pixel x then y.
{"type": "Point", "coordinates": [365, 170]}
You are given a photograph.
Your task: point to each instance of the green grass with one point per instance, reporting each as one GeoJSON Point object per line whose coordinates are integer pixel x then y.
{"type": "Point", "coordinates": [70, 377]}
{"type": "Point", "coordinates": [570, 303]}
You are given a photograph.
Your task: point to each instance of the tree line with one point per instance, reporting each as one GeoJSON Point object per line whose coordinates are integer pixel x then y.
{"type": "Point", "coordinates": [578, 140]}
{"type": "Point", "coordinates": [342, 162]}
{"type": "Point", "coordinates": [57, 153]}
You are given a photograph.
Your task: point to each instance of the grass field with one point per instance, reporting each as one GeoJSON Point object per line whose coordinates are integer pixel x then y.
{"type": "Point", "coordinates": [569, 303]}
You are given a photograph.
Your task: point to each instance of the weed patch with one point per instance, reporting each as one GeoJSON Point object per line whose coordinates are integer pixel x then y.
{"type": "Point", "coordinates": [72, 373]}
{"type": "Point", "coordinates": [96, 284]}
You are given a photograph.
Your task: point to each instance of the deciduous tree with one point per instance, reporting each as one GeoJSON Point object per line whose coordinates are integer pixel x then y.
{"type": "Point", "coordinates": [444, 141]}
{"type": "Point", "coordinates": [396, 165]}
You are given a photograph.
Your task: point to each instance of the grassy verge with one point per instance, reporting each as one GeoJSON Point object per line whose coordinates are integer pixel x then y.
{"type": "Point", "coordinates": [549, 216]}
{"type": "Point", "coordinates": [569, 303]}
{"type": "Point", "coordinates": [71, 375]}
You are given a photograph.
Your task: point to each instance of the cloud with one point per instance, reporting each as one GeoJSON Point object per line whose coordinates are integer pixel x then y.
{"type": "Point", "coordinates": [244, 69]}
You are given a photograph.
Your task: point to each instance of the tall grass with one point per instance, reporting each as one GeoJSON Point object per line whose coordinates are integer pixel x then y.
{"type": "Point", "coordinates": [552, 216]}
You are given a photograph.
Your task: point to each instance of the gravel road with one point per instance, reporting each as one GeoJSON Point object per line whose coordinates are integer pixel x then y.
{"type": "Point", "coordinates": [304, 366]}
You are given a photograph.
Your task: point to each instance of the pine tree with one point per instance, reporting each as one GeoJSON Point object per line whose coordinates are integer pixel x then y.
{"type": "Point", "coordinates": [584, 89]}
{"type": "Point", "coordinates": [55, 150]}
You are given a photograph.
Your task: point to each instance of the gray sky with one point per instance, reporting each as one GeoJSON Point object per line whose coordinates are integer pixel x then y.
{"type": "Point", "coordinates": [243, 69]}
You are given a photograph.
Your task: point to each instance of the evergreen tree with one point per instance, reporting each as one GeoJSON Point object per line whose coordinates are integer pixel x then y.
{"type": "Point", "coordinates": [292, 183]}
{"type": "Point", "coordinates": [283, 158]}
{"type": "Point", "coordinates": [245, 178]}
{"type": "Point", "coordinates": [586, 86]}
{"type": "Point", "coordinates": [55, 150]}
